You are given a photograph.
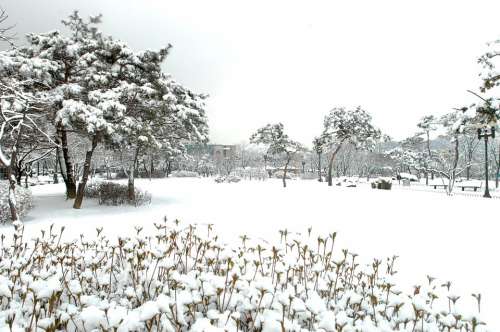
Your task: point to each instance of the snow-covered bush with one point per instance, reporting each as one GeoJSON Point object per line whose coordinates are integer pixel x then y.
{"type": "Point", "coordinates": [346, 181]}
{"type": "Point", "coordinates": [251, 173]}
{"type": "Point", "coordinates": [113, 193]}
{"type": "Point", "coordinates": [183, 278]}
{"type": "Point", "coordinates": [289, 176]}
{"type": "Point", "coordinates": [24, 201]}
{"type": "Point", "coordinates": [185, 174]}
{"type": "Point", "coordinates": [382, 183]}
{"type": "Point", "coordinates": [408, 176]}
{"type": "Point", "coordinates": [227, 179]}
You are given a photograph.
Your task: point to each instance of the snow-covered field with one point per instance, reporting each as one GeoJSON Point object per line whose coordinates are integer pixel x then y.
{"type": "Point", "coordinates": [451, 238]}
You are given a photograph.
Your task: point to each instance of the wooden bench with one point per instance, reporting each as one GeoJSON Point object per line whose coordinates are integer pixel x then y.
{"type": "Point", "coordinates": [445, 186]}
{"type": "Point", "coordinates": [470, 186]}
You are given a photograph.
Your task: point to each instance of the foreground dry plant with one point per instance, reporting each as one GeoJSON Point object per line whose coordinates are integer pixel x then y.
{"type": "Point", "coordinates": [182, 278]}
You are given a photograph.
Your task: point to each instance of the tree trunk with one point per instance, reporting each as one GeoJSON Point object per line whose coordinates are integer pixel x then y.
{"type": "Point", "coordinates": [451, 180]}
{"type": "Point", "coordinates": [19, 174]}
{"type": "Point", "coordinates": [469, 161]}
{"type": "Point", "coordinates": [169, 168]}
{"type": "Point", "coordinates": [11, 177]}
{"type": "Point", "coordinates": [131, 185]}
{"type": "Point", "coordinates": [69, 177]}
{"type": "Point", "coordinates": [285, 170]}
{"type": "Point", "coordinates": [56, 179]}
{"type": "Point", "coordinates": [320, 178]}
{"type": "Point", "coordinates": [86, 172]}
{"type": "Point", "coordinates": [330, 164]}
{"type": "Point", "coordinates": [131, 178]}
{"type": "Point", "coordinates": [26, 179]}
{"type": "Point", "coordinates": [498, 168]}
{"type": "Point", "coordinates": [14, 215]}
{"type": "Point", "coordinates": [428, 159]}
{"type": "Point", "coordinates": [151, 167]}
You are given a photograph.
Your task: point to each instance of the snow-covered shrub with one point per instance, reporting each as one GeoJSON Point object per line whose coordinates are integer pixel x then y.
{"type": "Point", "coordinates": [408, 176]}
{"type": "Point", "coordinates": [184, 174]}
{"type": "Point", "coordinates": [23, 198]}
{"type": "Point", "coordinates": [382, 183]}
{"type": "Point", "coordinates": [346, 181]}
{"type": "Point", "coordinates": [289, 175]}
{"type": "Point", "coordinates": [183, 278]}
{"type": "Point", "coordinates": [227, 179]}
{"type": "Point", "coordinates": [251, 173]}
{"type": "Point", "coordinates": [113, 193]}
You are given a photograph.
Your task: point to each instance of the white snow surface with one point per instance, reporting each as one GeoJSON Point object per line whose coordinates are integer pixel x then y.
{"type": "Point", "coordinates": [452, 238]}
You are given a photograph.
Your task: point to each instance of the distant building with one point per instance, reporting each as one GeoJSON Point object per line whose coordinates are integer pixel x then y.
{"type": "Point", "coordinates": [215, 151]}
{"type": "Point", "coordinates": [221, 152]}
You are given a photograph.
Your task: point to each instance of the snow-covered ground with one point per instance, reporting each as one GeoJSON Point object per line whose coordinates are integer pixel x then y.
{"type": "Point", "coordinates": [452, 238]}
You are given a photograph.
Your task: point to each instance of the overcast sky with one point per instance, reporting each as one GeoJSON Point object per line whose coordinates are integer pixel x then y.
{"type": "Point", "coordinates": [291, 61]}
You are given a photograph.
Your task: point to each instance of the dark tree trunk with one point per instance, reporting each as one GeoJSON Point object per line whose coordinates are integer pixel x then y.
{"type": "Point", "coordinates": [498, 168]}
{"type": "Point", "coordinates": [330, 164]}
{"type": "Point", "coordinates": [14, 215]}
{"type": "Point", "coordinates": [169, 168]}
{"type": "Point", "coordinates": [19, 174]}
{"type": "Point", "coordinates": [131, 177]}
{"type": "Point", "coordinates": [86, 172]}
{"type": "Point", "coordinates": [69, 176]}
{"type": "Point", "coordinates": [151, 167]}
{"type": "Point", "coordinates": [56, 179]}
{"type": "Point", "coordinates": [131, 185]}
{"type": "Point", "coordinates": [285, 170]}
{"type": "Point", "coordinates": [452, 177]}
{"type": "Point", "coordinates": [320, 178]}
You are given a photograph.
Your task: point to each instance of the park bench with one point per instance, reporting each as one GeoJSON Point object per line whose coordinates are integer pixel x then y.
{"type": "Point", "coordinates": [445, 186]}
{"type": "Point", "coordinates": [474, 186]}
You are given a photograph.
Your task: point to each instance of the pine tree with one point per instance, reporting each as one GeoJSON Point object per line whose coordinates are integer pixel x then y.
{"type": "Point", "coordinates": [277, 142]}
{"type": "Point", "coordinates": [342, 126]}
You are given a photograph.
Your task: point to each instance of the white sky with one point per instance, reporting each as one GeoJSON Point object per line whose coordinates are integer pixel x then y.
{"type": "Point", "coordinates": [292, 61]}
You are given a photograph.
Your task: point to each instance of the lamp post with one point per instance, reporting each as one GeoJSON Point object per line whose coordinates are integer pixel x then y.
{"type": "Point", "coordinates": [485, 133]}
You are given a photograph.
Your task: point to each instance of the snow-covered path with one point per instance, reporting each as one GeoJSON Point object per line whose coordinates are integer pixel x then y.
{"type": "Point", "coordinates": [452, 238]}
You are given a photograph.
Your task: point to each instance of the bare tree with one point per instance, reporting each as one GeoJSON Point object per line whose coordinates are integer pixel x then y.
{"type": "Point", "coordinates": [18, 117]}
{"type": "Point", "coordinates": [5, 35]}
{"type": "Point", "coordinates": [470, 145]}
{"type": "Point", "coordinates": [455, 124]}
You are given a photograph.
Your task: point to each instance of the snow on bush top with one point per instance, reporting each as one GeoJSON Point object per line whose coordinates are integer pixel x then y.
{"type": "Point", "coordinates": [185, 279]}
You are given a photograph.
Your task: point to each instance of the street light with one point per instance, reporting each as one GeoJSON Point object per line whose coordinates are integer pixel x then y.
{"type": "Point", "coordinates": [485, 133]}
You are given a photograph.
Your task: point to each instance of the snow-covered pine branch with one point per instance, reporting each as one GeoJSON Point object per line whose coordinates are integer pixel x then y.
{"type": "Point", "coordinates": [490, 65]}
